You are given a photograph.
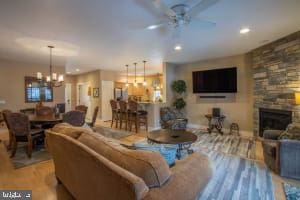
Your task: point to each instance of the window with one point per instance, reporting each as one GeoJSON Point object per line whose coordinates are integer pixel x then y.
{"type": "Point", "coordinates": [36, 91]}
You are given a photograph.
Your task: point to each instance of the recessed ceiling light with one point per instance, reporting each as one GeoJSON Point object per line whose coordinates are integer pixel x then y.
{"type": "Point", "coordinates": [244, 30]}
{"type": "Point", "coordinates": [77, 70]}
{"type": "Point", "coordinates": [151, 27]}
{"type": "Point", "coordinates": [68, 72]}
{"type": "Point", "coordinates": [177, 47]}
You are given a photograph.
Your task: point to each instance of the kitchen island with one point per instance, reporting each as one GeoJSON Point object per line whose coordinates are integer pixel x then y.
{"type": "Point", "coordinates": [153, 109]}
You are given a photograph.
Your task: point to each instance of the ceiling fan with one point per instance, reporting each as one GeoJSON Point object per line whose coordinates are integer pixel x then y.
{"type": "Point", "coordinates": [181, 15]}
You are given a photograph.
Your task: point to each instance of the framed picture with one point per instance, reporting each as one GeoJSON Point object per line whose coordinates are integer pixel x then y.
{"type": "Point", "coordinates": [95, 92]}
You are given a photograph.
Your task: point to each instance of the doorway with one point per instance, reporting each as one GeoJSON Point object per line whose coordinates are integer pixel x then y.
{"type": "Point", "coordinates": [68, 96]}
{"type": "Point", "coordinates": [107, 89]}
{"type": "Point", "coordinates": [82, 96]}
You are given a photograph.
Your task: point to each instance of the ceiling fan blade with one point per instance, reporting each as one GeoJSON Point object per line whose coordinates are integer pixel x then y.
{"type": "Point", "coordinates": [155, 26]}
{"type": "Point", "coordinates": [164, 8]}
{"type": "Point", "coordinates": [202, 5]}
{"type": "Point", "coordinates": [202, 23]}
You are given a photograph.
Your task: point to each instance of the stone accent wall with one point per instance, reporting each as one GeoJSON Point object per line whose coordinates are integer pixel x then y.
{"type": "Point", "coordinates": [276, 74]}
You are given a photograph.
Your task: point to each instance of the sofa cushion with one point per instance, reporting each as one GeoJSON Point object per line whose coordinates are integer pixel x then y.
{"type": "Point", "coordinates": [150, 166]}
{"type": "Point", "coordinates": [69, 130]}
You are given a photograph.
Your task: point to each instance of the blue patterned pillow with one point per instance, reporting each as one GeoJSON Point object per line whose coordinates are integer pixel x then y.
{"type": "Point", "coordinates": [167, 151]}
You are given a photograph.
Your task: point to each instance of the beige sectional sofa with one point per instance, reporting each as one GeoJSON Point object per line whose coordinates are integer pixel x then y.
{"type": "Point", "coordinates": [92, 166]}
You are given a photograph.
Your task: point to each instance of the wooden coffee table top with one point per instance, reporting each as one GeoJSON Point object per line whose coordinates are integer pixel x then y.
{"type": "Point", "coordinates": [166, 136]}
{"type": "Point", "coordinates": [41, 119]}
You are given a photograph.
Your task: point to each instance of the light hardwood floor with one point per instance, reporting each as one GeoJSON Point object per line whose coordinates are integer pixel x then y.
{"type": "Point", "coordinates": [40, 178]}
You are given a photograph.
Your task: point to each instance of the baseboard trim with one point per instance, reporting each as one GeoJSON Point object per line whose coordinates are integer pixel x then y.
{"type": "Point", "coordinates": [243, 133]}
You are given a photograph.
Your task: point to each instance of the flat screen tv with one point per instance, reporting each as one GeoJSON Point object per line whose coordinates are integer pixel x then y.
{"type": "Point", "coordinates": [215, 81]}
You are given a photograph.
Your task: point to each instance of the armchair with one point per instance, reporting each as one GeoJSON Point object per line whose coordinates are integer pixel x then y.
{"type": "Point", "coordinates": [172, 119]}
{"type": "Point", "coordinates": [282, 150]}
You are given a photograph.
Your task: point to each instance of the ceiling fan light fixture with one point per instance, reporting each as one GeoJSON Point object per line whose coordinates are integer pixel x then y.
{"type": "Point", "coordinates": [177, 47]}
{"type": "Point", "coordinates": [151, 27]}
{"type": "Point", "coordinates": [244, 30]}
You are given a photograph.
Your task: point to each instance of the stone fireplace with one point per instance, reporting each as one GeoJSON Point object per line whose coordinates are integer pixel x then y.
{"type": "Point", "coordinates": [276, 78]}
{"type": "Point", "coordinates": [273, 119]}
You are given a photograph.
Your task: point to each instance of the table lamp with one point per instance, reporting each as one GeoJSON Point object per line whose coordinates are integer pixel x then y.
{"type": "Point", "coordinates": [297, 98]}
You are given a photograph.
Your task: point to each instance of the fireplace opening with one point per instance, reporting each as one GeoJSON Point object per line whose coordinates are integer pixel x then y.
{"type": "Point", "coordinates": [273, 119]}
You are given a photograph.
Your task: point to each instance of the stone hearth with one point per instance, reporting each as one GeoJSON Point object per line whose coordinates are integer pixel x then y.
{"type": "Point", "coordinates": [276, 75]}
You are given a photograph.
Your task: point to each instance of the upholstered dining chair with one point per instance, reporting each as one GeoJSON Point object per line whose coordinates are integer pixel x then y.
{"type": "Point", "coordinates": [74, 117]}
{"type": "Point", "coordinates": [136, 116]}
{"type": "Point", "coordinates": [20, 128]}
{"type": "Point", "coordinates": [4, 114]}
{"type": "Point", "coordinates": [123, 113]}
{"type": "Point", "coordinates": [95, 114]}
{"type": "Point", "coordinates": [82, 108]}
{"type": "Point", "coordinates": [114, 112]}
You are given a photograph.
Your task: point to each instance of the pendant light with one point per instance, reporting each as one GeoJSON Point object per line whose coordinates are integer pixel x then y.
{"type": "Point", "coordinates": [135, 83]}
{"type": "Point", "coordinates": [127, 75]}
{"type": "Point", "coordinates": [144, 83]}
{"type": "Point", "coordinates": [53, 79]}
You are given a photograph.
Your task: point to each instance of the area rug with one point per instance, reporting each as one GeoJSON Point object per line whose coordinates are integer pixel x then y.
{"type": "Point", "coordinates": [39, 154]}
{"type": "Point", "coordinates": [235, 174]}
{"type": "Point", "coordinates": [291, 192]}
{"type": "Point", "coordinates": [228, 144]}
{"type": "Point", "coordinates": [111, 132]}
{"type": "Point", "coordinates": [236, 178]}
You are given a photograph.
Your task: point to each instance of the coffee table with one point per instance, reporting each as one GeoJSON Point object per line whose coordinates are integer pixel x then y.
{"type": "Point", "coordinates": [182, 138]}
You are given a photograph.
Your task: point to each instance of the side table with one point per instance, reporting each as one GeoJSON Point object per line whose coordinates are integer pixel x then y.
{"type": "Point", "coordinates": [215, 122]}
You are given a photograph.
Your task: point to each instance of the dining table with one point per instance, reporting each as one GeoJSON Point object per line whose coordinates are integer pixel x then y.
{"type": "Point", "coordinates": [46, 119]}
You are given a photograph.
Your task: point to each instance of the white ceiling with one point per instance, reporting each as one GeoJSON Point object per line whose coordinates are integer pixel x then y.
{"type": "Point", "coordinates": [107, 34]}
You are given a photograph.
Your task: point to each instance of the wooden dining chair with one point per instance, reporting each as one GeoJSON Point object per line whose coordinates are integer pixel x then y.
{"type": "Point", "coordinates": [114, 112]}
{"type": "Point", "coordinates": [4, 114]}
{"type": "Point", "coordinates": [74, 117]}
{"type": "Point", "coordinates": [21, 132]}
{"type": "Point", "coordinates": [123, 114]}
{"type": "Point", "coordinates": [82, 108]}
{"type": "Point", "coordinates": [136, 116]}
{"type": "Point", "coordinates": [44, 111]}
{"type": "Point", "coordinates": [95, 114]}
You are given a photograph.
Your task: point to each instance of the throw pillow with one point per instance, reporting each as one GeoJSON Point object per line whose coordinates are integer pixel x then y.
{"type": "Point", "coordinates": [289, 135]}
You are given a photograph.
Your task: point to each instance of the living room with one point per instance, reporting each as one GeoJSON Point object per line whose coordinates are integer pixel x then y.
{"type": "Point", "coordinates": [195, 99]}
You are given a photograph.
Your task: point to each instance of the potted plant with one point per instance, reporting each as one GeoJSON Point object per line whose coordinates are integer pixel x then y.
{"type": "Point", "coordinates": [179, 103]}
{"type": "Point", "coordinates": [179, 87]}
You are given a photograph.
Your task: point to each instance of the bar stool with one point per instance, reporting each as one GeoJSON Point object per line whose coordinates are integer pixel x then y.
{"type": "Point", "coordinates": [138, 117]}
{"type": "Point", "coordinates": [115, 112]}
{"type": "Point", "coordinates": [123, 113]}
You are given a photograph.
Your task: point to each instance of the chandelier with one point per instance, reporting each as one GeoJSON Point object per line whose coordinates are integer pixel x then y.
{"type": "Point", "coordinates": [54, 80]}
